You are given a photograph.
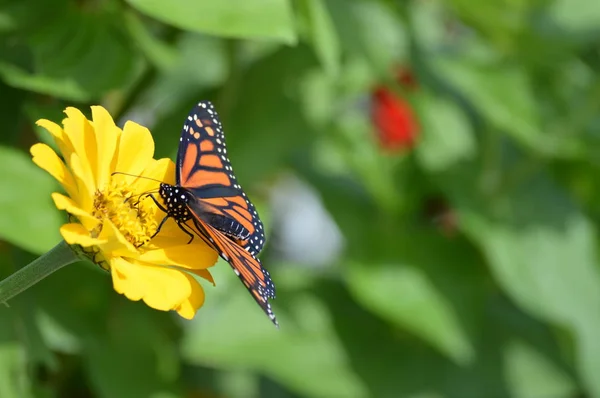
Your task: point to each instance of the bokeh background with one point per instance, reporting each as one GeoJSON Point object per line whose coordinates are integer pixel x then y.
{"type": "Point", "coordinates": [427, 170]}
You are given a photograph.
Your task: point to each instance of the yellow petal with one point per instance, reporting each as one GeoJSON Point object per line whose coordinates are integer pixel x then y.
{"type": "Point", "coordinates": [187, 309]}
{"type": "Point", "coordinates": [76, 234]}
{"type": "Point", "coordinates": [163, 170]}
{"type": "Point", "coordinates": [82, 135]}
{"type": "Point", "coordinates": [136, 148]}
{"type": "Point", "coordinates": [107, 135]}
{"type": "Point", "coordinates": [155, 172]}
{"type": "Point", "coordinates": [84, 181]}
{"type": "Point", "coordinates": [48, 160]}
{"type": "Point", "coordinates": [160, 287]}
{"type": "Point", "coordinates": [203, 273]}
{"type": "Point", "coordinates": [194, 256]}
{"type": "Point", "coordinates": [171, 234]}
{"type": "Point", "coordinates": [115, 243]}
{"type": "Point", "coordinates": [62, 140]}
{"type": "Point", "coordinates": [64, 203]}
{"type": "Point", "coordinates": [148, 182]}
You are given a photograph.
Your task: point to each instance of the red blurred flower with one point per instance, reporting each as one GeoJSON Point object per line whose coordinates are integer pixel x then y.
{"type": "Point", "coordinates": [396, 125]}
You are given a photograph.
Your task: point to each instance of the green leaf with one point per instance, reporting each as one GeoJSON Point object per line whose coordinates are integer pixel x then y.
{"type": "Point", "coordinates": [396, 364]}
{"type": "Point", "coordinates": [356, 79]}
{"type": "Point", "coordinates": [75, 56]}
{"type": "Point", "coordinates": [372, 31]}
{"type": "Point", "coordinates": [133, 357]}
{"type": "Point", "coordinates": [504, 97]}
{"type": "Point", "coordinates": [56, 336]}
{"type": "Point", "coordinates": [14, 381]}
{"type": "Point", "coordinates": [306, 336]}
{"type": "Point", "coordinates": [542, 251]}
{"type": "Point", "coordinates": [102, 51]}
{"type": "Point", "coordinates": [428, 24]}
{"type": "Point", "coordinates": [500, 21]}
{"type": "Point", "coordinates": [263, 131]}
{"type": "Point", "coordinates": [322, 34]}
{"type": "Point", "coordinates": [30, 220]}
{"type": "Point", "coordinates": [362, 155]}
{"type": "Point", "coordinates": [64, 87]}
{"type": "Point", "coordinates": [531, 375]}
{"type": "Point", "coordinates": [11, 121]}
{"type": "Point", "coordinates": [29, 14]}
{"type": "Point", "coordinates": [268, 19]}
{"type": "Point", "coordinates": [318, 97]}
{"type": "Point", "coordinates": [254, 125]}
{"type": "Point", "coordinates": [238, 384]}
{"type": "Point", "coordinates": [446, 135]}
{"type": "Point", "coordinates": [576, 15]}
{"type": "Point", "coordinates": [38, 351]}
{"type": "Point", "coordinates": [413, 285]}
{"type": "Point", "coordinates": [121, 370]}
{"type": "Point", "coordinates": [69, 317]}
{"type": "Point", "coordinates": [158, 52]}
{"type": "Point", "coordinates": [170, 96]}
{"type": "Point", "coordinates": [406, 297]}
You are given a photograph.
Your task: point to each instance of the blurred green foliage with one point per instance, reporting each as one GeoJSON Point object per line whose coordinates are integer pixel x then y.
{"type": "Point", "coordinates": [494, 294]}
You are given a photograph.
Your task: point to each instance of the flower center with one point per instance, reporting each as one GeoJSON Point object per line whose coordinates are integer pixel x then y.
{"type": "Point", "coordinates": [123, 208]}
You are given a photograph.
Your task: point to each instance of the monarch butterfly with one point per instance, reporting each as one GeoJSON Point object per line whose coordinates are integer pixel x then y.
{"type": "Point", "coordinates": [207, 193]}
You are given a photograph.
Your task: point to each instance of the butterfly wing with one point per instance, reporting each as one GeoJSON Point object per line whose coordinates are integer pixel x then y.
{"type": "Point", "coordinates": [203, 168]}
{"type": "Point", "coordinates": [245, 265]}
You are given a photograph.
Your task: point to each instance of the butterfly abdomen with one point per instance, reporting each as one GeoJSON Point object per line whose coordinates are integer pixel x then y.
{"type": "Point", "coordinates": [227, 225]}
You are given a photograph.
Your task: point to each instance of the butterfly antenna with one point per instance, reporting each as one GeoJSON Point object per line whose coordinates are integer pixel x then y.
{"type": "Point", "coordinates": [135, 175]}
{"type": "Point", "coordinates": [139, 196]}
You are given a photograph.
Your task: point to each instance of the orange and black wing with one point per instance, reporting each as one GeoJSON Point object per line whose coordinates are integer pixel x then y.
{"type": "Point", "coordinates": [204, 169]}
{"type": "Point", "coordinates": [245, 265]}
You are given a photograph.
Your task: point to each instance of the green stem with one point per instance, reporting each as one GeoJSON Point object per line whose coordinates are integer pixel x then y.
{"type": "Point", "coordinates": [59, 256]}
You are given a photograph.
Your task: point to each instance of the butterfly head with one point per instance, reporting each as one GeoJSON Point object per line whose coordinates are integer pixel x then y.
{"type": "Point", "coordinates": [176, 201]}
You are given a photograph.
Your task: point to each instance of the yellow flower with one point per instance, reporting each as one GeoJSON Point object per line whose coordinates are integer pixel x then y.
{"type": "Point", "coordinates": [114, 228]}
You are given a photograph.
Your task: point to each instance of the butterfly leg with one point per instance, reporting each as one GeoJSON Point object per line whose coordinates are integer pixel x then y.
{"type": "Point", "coordinates": [159, 226]}
{"type": "Point", "coordinates": [161, 207]}
{"type": "Point", "coordinates": [182, 225]}
{"type": "Point", "coordinates": [157, 203]}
